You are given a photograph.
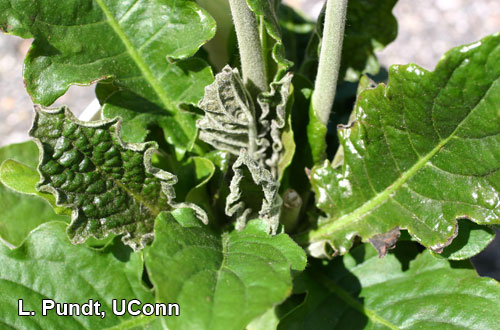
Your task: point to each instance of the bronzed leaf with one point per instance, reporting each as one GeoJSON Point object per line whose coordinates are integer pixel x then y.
{"type": "Point", "coordinates": [110, 184]}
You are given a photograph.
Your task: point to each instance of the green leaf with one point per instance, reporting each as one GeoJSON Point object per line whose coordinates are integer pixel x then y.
{"type": "Point", "coordinates": [370, 26]}
{"type": "Point", "coordinates": [22, 213]}
{"type": "Point", "coordinates": [217, 48]}
{"type": "Point", "coordinates": [25, 152]}
{"type": "Point", "coordinates": [361, 291]}
{"type": "Point", "coordinates": [140, 115]}
{"type": "Point", "coordinates": [221, 282]}
{"type": "Point", "coordinates": [421, 152]}
{"type": "Point", "coordinates": [303, 157]}
{"type": "Point", "coordinates": [254, 194]}
{"type": "Point", "coordinates": [110, 184]}
{"type": "Point", "coordinates": [81, 42]}
{"type": "Point", "coordinates": [23, 179]}
{"type": "Point", "coordinates": [48, 266]}
{"type": "Point", "coordinates": [194, 172]}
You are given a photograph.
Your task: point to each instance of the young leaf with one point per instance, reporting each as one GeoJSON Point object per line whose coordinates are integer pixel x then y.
{"type": "Point", "coordinates": [221, 282]}
{"type": "Point", "coordinates": [421, 152]}
{"type": "Point", "coordinates": [22, 211]}
{"type": "Point", "coordinates": [361, 291]}
{"type": "Point", "coordinates": [48, 266]}
{"type": "Point", "coordinates": [110, 184]}
{"type": "Point", "coordinates": [80, 42]}
{"type": "Point", "coordinates": [370, 26]}
{"type": "Point", "coordinates": [254, 194]}
{"type": "Point", "coordinates": [232, 122]}
{"type": "Point", "coordinates": [275, 107]}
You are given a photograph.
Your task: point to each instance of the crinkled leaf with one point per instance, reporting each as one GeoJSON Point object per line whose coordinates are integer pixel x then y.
{"type": "Point", "coordinates": [370, 26]}
{"type": "Point", "coordinates": [221, 282]}
{"type": "Point", "coordinates": [22, 213]}
{"type": "Point", "coordinates": [361, 291]}
{"type": "Point", "coordinates": [110, 184]}
{"type": "Point", "coordinates": [80, 42]}
{"type": "Point", "coordinates": [232, 122]}
{"type": "Point", "coordinates": [421, 152]}
{"type": "Point", "coordinates": [275, 107]}
{"type": "Point", "coordinates": [254, 194]}
{"type": "Point", "coordinates": [48, 266]}
{"type": "Point", "coordinates": [229, 123]}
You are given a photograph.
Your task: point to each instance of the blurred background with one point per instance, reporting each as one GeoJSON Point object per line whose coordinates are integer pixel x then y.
{"type": "Point", "coordinates": [427, 29]}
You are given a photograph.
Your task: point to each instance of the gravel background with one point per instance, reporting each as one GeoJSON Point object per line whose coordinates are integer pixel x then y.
{"type": "Point", "coordinates": [427, 29]}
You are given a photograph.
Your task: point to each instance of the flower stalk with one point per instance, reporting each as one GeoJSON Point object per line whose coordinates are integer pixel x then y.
{"type": "Point", "coordinates": [253, 65]}
{"type": "Point", "coordinates": [329, 60]}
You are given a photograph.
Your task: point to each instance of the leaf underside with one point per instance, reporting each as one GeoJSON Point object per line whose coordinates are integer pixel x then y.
{"type": "Point", "coordinates": [233, 122]}
{"type": "Point", "coordinates": [110, 184]}
{"type": "Point", "coordinates": [253, 194]}
{"type": "Point", "coordinates": [420, 153]}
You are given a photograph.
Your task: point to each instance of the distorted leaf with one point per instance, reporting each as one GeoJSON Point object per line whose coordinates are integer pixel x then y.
{"type": "Point", "coordinates": [254, 194]}
{"type": "Point", "coordinates": [233, 122]}
{"type": "Point", "coordinates": [110, 184]}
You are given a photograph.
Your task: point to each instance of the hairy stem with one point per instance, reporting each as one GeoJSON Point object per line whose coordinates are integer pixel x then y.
{"type": "Point", "coordinates": [329, 59]}
{"type": "Point", "coordinates": [252, 58]}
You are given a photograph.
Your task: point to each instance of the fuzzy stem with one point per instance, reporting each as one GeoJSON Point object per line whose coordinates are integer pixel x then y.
{"type": "Point", "coordinates": [252, 58]}
{"type": "Point", "coordinates": [329, 59]}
